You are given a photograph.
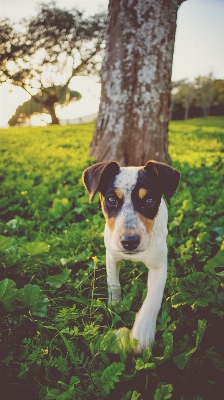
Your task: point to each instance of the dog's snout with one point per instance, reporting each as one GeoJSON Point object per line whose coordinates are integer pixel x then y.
{"type": "Point", "coordinates": [130, 242]}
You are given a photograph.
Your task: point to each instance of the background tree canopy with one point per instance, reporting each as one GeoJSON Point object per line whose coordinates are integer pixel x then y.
{"type": "Point", "coordinates": [203, 97]}
{"type": "Point", "coordinates": [38, 104]}
{"type": "Point", "coordinates": [53, 47]}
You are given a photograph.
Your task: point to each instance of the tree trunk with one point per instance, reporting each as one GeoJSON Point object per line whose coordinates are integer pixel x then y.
{"type": "Point", "coordinates": [186, 110]}
{"type": "Point", "coordinates": [205, 112]}
{"type": "Point", "coordinates": [54, 119]}
{"type": "Point", "coordinates": [132, 125]}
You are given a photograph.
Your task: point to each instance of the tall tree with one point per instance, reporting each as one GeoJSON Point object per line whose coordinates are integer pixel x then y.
{"type": "Point", "coordinates": [133, 117]}
{"type": "Point", "coordinates": [55, 46]}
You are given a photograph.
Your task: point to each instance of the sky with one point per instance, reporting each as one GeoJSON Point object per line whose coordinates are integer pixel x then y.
{"type": "Point", "coordinates": [199, 49]}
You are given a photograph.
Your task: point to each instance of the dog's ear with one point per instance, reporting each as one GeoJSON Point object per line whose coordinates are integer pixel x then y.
{"type": "Point", "coordinates": [168, 177]}
{"type": "Point", "coordinates": [98, 175]}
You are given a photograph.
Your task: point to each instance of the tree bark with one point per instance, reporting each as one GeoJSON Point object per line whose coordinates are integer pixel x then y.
{"type": "Point", "coordinates": [186, 112]}
{"type": "Point", "coordinates": [54, 118]}
{"type": "Point", "coordinates": [50, 106]}
{"type": "Point", "coordinates": [132, 124]}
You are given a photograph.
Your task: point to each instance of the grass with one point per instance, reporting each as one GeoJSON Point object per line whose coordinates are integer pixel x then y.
{"type": "Point", "coordinates": [59, 338]}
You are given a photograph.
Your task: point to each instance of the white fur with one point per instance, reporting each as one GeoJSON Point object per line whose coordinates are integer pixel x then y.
{"type": "Point", "coordinates": [126, 181]}
{"type": "Point", "coordinates": [152, 252]}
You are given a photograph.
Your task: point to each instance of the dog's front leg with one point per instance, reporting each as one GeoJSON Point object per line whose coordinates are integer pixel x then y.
{"type": "Point", "coordinates": [113, 269]}
{"type": "Point", "coordinates": [145, 322]}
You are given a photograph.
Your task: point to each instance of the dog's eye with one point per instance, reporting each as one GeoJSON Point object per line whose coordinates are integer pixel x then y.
{"type": "Point", "coordinates": [149, 202]}
{"type": "Point", "coordinates": [111, 200]}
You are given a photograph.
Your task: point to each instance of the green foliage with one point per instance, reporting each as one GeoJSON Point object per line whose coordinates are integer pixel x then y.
{"type": "Point", "coordinates": [28, 297]}
{"type": "Point", "coordinates": [164, 391]}
{"type": "Point", "coordinates": [182, 359]}
{"type": "Point", "coordinates": [8, 293]}
{"type": "Point", "coordinates": [58, 280]}
{"type": "Point", "coordinates": [110, 375]}
{"type": "Point", "coordinates": [59, 338]}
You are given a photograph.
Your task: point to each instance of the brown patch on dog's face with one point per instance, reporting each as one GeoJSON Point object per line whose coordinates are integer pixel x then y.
{"type": "Point", "coordinates": [119, 193]}
{"type": "Point", "coordinates": [110, 221]}
{"type": "Point", "coordinates": [142, 193]}
{"type": "Point", "coordinates": [149, 223]}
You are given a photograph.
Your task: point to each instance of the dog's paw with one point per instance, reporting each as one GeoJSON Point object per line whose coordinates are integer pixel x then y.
{"type": "Point", "coordinates": [140, 341]}
{"type": "Point", "coordinates": [142, 334]}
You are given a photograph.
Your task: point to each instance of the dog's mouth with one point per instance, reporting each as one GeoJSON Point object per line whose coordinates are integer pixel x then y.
{"type": "Point", "coordinates": [131, 251]}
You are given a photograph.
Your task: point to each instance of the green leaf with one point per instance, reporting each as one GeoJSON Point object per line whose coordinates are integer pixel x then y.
{"type": "Point", "coordinates": [5, 243]}
{"type": "Point", "coordinates": [168, 351]}
{"type": "Point", "coordinates": [219, 230]}
{"type": "Point", "coordinates": [195, 290]}
{"type": "Point", "coordinates": [59, 206]}
{"type": "Point", "coordinates": [74, 380]}
{"type": "Point", "coordinates": [163, 391]}
{"type": "Point", "coordinates": [140, 364]}
{"type": "Point", "coordinates": [216, 262]}
{"type": "Point", "coordinates": [34, 248]}
{"type": "Point", "coordinates": [111, 375]}
{"type": "Point", "coordinates": [162, 321]}
{"type": "Point", "coordinates": [69, 349]}
{"type": "Point", "coordinates": [219, 309]}
{"type": "Point", "coordinates": [8, 293]}
{"type": "Point", "coordinates": [182, 359]}
{"type": "Point", "coordinates": [117, 342]}
{"type": "Point", "coordinates": [58, 280]}
{"type": "Point", "coordinates": [135, 395]}
{"type": "Point", "coordinates": [202, 325]}
{"type": "Point", "coordinates": [216, 358]}
{"type": "Point", "coordinates": [32, 297]}
{"type": "Point", "coordinates": [176, 222]}
{"type": "Point", "coordinates": [168, 338]}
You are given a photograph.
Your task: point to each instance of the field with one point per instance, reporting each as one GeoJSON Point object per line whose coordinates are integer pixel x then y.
{"type": "Point", "coordinates": [59, 340]}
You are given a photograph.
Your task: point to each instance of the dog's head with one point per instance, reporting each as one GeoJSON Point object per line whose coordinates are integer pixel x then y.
{"type": "Point", "coordinates": [130, 199]}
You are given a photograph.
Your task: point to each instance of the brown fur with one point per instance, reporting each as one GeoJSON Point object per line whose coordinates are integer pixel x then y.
{"type": "Point", "coordinates": [149, 223]}
{"type": "Point", "coordinates": [119, 193]}
{"type": "Point", "coordinates": [110, 221]}
{"type": "Point", "coordinates": [142, 193]}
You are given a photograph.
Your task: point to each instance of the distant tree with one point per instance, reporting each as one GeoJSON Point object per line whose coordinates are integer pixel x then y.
{"type": "Point", "coordinates": [39, 104]}
{"type": "Point", "coordinates": [132, 124]}
{"type": "Point", "coordinates": [187, 93]}
{"type": "Point", "coordinates": [175, 97]}
{"type": "Point", "coordinates": [218, 92]}
{"type": "Point", "coordinates": [55, 46]}
{"type": "Point", "coordinates": [205, 92]}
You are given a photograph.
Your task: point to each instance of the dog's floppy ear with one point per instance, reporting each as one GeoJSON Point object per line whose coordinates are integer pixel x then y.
{"type": "Point", "coordinates": [97, 175]}
{"type": "Point", "coordinates": [168, 177]}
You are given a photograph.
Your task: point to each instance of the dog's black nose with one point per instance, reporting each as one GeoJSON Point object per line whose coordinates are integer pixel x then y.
{"type": "Point", "coordinates": [130, 242]}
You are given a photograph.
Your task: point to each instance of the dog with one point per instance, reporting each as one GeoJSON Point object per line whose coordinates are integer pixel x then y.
{"type": "Point", "coordinates": [136, 229]}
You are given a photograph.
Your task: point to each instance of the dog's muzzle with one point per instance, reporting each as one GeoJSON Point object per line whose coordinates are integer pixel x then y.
{"type": "Point", "coordinates": [130, 243]}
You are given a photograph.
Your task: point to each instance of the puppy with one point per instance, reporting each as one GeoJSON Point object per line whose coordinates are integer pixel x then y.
{"type": "Point", "coordinates": [136, 229]}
